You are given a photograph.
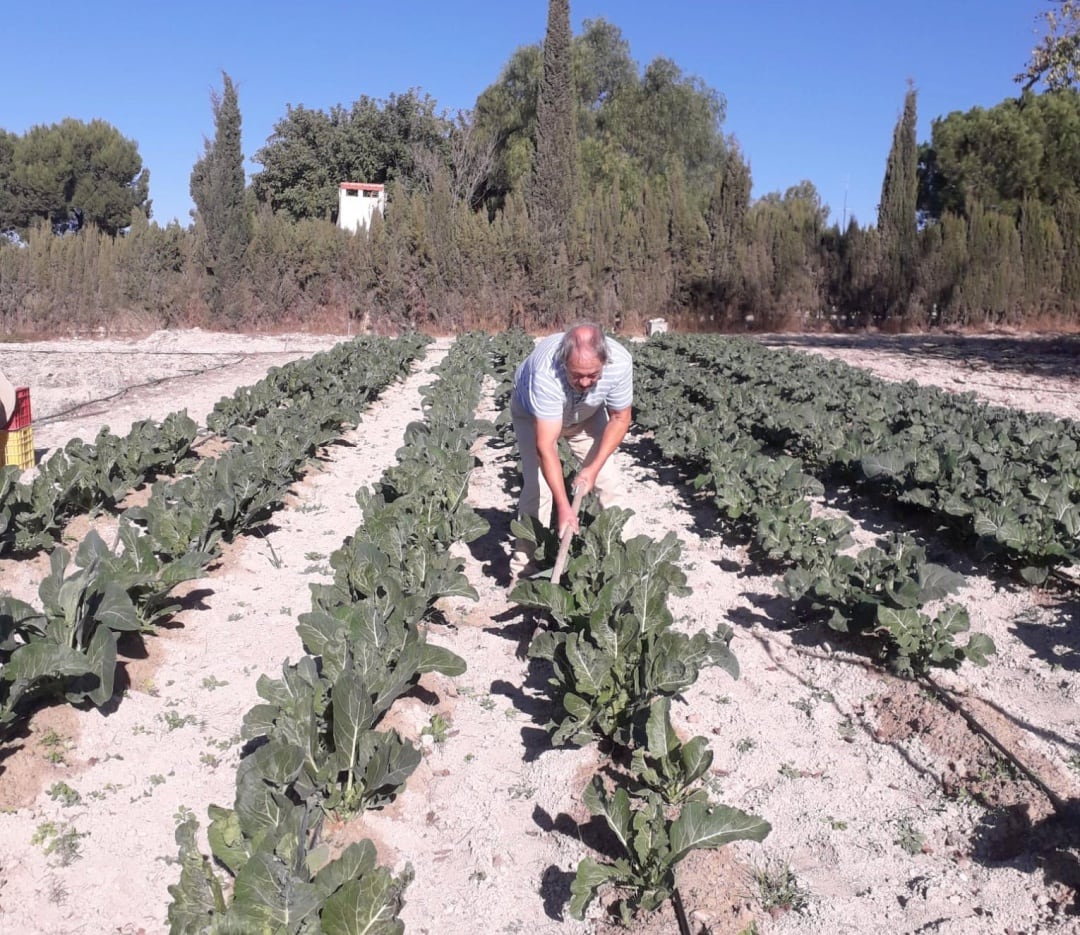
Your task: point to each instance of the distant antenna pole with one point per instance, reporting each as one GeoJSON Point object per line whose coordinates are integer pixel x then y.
{"type": "Point", "coordinates": [843, 224]}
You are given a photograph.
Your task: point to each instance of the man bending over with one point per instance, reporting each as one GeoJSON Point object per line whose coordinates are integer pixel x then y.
{"type": "Point", "coordinates": [576, 385]}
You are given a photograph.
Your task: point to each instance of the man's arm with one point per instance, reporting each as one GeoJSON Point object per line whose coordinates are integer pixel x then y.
{"type": "Point", "coordinates": [548, 432]}
{"type": "Point", "coordinates": [614, 432]}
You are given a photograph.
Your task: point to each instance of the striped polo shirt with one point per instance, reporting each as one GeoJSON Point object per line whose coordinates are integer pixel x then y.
{"type": "Point", "coordinates": [542, 390]}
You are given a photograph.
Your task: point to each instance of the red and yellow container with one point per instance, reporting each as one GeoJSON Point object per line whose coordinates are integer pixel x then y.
{"type": "Point", "coordinates": [17, 437]}
{"type": "Point", "coordinates": [20, 418]}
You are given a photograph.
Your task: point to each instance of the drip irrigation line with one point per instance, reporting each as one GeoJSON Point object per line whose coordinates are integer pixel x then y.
{"type": "Point", "coordinates": [1061, 806]}
{"type": "Point", "coordinates": [680, 912]}
{"type": "Point", "coordinates": [60, 416]}
{"type": "Point", "coordinates": [104, 353]}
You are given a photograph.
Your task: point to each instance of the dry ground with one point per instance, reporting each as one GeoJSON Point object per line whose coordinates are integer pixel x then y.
{"type": "Point", "coordinates": [889, 813]}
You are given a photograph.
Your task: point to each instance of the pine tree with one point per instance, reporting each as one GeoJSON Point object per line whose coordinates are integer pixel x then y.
{"type": "Point", "coordinates": [217, 188]}
{"type": "Point", "coordinates": [896, 213]}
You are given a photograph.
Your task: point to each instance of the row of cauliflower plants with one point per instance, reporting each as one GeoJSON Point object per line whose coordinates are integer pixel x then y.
{"type": "Point", "coordinates": [92, 477]}
{"type": "Point", "coordinates": [617, 661]}
{"type": "Point", "coordinates": [84, 477]}
{"type": "Point", "coordinates": [67, 646]}
{"type": "Point", "coordinates": [315, 747]}
{"type": "Point", "coordinates": [877, 593]}
{"type": "Point", "coordinates": [1007, 482]}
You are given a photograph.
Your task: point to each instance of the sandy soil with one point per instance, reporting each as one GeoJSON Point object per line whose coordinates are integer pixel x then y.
{"type": "Point", "coordinates": [889, 813]}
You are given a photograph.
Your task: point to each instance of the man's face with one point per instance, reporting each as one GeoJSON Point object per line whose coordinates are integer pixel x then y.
{"type": "Point", "coordinates": [582, 372]}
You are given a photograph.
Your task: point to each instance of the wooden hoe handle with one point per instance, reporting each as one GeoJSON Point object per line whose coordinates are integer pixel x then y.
{"type": "Point", "coordinates": [564, 543]}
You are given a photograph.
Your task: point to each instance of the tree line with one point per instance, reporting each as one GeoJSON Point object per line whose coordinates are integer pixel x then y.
{"type": "Point", "coordinates": [580, 185]}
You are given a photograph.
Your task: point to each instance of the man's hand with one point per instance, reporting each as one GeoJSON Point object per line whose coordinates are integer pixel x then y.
{"type": "Point", "coordinates": [585, 480]}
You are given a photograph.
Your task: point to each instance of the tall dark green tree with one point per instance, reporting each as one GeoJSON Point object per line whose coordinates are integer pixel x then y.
{"type": "Point", "coordinates": [630, 126]}
{"type": "Point", "coordinates": [553, 186]}
{"type": "Point", "coordinates": [782, 274]}
{"type": "Point", "coordinates": [897, 223]}
{"type": "Point", "coordinates": [993, 282]}
{"type": "Point", "coordinates": [52, 170]}
{"type": "Point", "coordinates": [311, 152]}
{"type": "Point", "coordinates": [505, 118]}
{"type": "Point", "coordinates": [1021, 148]}
{"type": "Point", "coordinates": [726, 219]}
{"type": "Point", "coordinates": [1043, 252]}
{"type": "Point", "coordinates": [218, 190]}
{"type": "Point", "coordinates": [8, 142]}
{"type": "Point", "coordinates": [1067, 214]}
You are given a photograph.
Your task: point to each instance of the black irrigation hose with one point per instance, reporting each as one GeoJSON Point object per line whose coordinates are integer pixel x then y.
{"type": "Point", "coordinates": [59, 416]}
{"type": "Point", "coordinates": [101, 353]}
{"type": "Point", "coordinates": [1061, 806]}
{"type": "Point", "coordinates": [680, 912]}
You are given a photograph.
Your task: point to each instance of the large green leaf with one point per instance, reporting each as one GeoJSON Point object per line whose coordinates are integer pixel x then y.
{"type": "Point", "coordinates": [591, 875]}
{"type": "Point", "coordinates": [661, 738]}
{"type": "Point", "coordinates": [227, 842]}
{"type": "Point", "coordinates": [324, 635]}
{"type": "Point", "coordinates": [615, 809]}
{"type": "Point", "coordinates": [1035, 574]}
{"type": "Point", "coordinates": [356, 860]}
{"type": "Point", "coordinates": [391, 763]}
{"type": "Point", "coordinates": [259, 808]}
{"type": "Point", "coordinates": [937, 582]}
{"type": "Point", "coordinates": [51, 584]}
{"type": "Point", "coordinates": [891, 464]}
{"type": "Point", "coordinates": [269, 897]}
{"type": "Point", "coordinates": [352, 715]}
{"type": "Point", "coordinates": [470, 526]}
{"type": "Point", "coordinates": [367, 906]}
{"type": "Point", "coordinates": [577, 707]}
{"type": "Point", "coordinates": [17, 617]}
{"type": "Point", "coordinates": [710, 826]}
{"type": "Point", "coordinates": [696, 758]}
{"type": "Point", "coordinates": [591, 666]}
{"type": "Point", "coordinates": [101, 658]}
{"type": "Point", "coordinates": [197, 897]}
{"type": "Point", "coordinates": [719, 651]}
{"type": "Point", "coordinates": [439, 659]}
{"type": "Point", "coordinates": [115, 609]}
{"type": "Point", "coordinates": [276, 762]}
{"type": "Point", "coordinates": [41, 659]}
{"type": "Point", "coordinates": [978, 648]}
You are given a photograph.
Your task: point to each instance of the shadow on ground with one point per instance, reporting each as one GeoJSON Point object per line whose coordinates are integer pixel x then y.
{"type": "Point", "coordinates": [1041, 355]}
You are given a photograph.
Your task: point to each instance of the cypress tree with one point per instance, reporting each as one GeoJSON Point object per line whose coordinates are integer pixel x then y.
{"type": "Point", "coordinates": [1067, 214]}
{"type": "Point", "coordinates": [217, 188]}
{"type": "Point", "coordinates": [553, 189]}
{"type": "Point", "coordinates": [556, 139]}
{"type": "Point", "coordinates": [896, 213]}
{"type": "Point", "coordinates": [1043, 251]}
{"type": "Point", "coordinates": [726, 220]}
{"type": "Point", "coordinates": [689, 240]}
{"type": "Point", "coordinates": [993, 282]}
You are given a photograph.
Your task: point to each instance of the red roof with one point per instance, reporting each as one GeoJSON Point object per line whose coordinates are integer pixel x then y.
{"type": "Point", "coordinates": [362, 186]}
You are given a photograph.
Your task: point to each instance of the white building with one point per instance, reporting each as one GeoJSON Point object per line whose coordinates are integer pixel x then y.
{"type": "Point", "coordinates": [357, 202]}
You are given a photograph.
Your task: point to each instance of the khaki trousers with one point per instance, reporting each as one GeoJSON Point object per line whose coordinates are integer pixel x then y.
{"type": "Point", "coordinates": [583, 439]}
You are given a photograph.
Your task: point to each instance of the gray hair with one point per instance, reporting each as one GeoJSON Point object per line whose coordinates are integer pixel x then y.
{"type": "Point", "coordinates": [585, 339]}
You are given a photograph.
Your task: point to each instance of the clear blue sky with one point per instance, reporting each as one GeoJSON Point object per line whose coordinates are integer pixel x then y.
{"type": "Point", "coordinates": [813, 89]}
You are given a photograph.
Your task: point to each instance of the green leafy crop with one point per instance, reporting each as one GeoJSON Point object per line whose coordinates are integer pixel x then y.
{"type": "Point", "coordinates": [653, 845]}
{"type": "Point", "coordinates": [614, 650]}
